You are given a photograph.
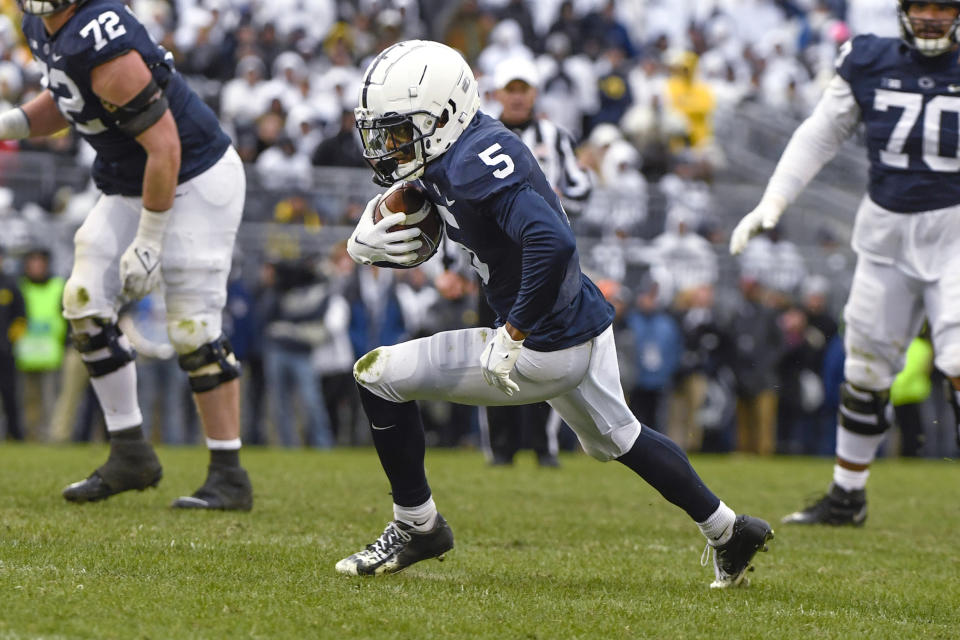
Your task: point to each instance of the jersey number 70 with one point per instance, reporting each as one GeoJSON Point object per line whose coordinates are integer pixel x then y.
{"type": "Point", "coordinates": [912, 108]}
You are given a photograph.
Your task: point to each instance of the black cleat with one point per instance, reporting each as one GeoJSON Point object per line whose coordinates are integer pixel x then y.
{"type": "Point", "coordinates": [132, 464]}
{"type": "Point", "coordinates": [731, 560]}
{"type": "Point", "coordinates": [548, 460]}
{"type": "Point", "coordinates": [398, 547]}
{"type": "Point", "coordinates": [837, 507]}
{"type": "Point", "coordinates": [226, 489]}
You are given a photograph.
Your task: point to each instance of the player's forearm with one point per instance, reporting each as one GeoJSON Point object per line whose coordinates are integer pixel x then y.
{"type": "Point", "coordinates": [163, 164]}
{"type": "Point", "coordinates": [41, 115]}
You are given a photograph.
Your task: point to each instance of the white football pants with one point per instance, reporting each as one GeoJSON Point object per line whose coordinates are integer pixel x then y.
{"type": "Point", "coordinates": [908, 268]}
{"type": "Point", "coordinates": [582, 383]}
{"type": "Point", "coordinates": [195, 262]}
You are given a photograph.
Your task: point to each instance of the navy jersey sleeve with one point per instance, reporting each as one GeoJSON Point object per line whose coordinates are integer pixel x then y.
{"type": "Point", "coordinates": [857, 54]}
{"type": "Point", "coordinates": [547, 244]}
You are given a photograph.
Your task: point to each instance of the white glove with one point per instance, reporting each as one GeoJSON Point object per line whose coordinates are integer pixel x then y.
{"type": "Point", "coordinates": [14, 125]}
{"type": "Point", "coordinates": [498, 360]}
{"type": "Point", "coordinates": [140, 263]}
{"type": "Point", "coordinates": [371, 242]}
{"type": "Point", "coordinates": [764, 216]}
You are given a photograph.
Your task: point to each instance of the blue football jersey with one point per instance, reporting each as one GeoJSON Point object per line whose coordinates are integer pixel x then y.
{"type": "Point", "coordinates": [910, 105]}
{"type": "Point", "coordinates": [496, 202]}
{"type": "Point", "coordinates": [98, 32]}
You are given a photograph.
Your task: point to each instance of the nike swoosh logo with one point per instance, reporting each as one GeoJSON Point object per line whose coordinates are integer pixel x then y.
{"type": "Point", "coordinates": [146, 260]}
{"type": "Point", "coordinates": [55, 57]}
{"type": "Point", "coordinates": [419, 524]}
{"type": "Point", "coordinates": [449, 203]}
{"type": "Point", "coordinates": [376, 428]}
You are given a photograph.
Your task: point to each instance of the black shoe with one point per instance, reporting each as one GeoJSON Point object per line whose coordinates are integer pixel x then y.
{"type": "Point", "coordinates": [226, 489]}
{"type": "Point", "coordinates": [731, 560]}
{"type": "Point", "coordinates": [501, 460]}
{"type": "Point", "coordinates": [836, 507]}
{"type": "Point", "coordinates": [548, 460]}
{"type": "Point", "coordinates": [132, 464]}
{"type": "Point", "coordinates": [398, 547]}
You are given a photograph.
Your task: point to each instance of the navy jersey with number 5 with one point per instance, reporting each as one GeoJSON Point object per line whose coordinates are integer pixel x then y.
{"type": "Point", "coordinates": [496, 202]}
{"type": "Point", "coordinates": [98, 32]}
{"type": "Point", "coordinates": [910, 105]}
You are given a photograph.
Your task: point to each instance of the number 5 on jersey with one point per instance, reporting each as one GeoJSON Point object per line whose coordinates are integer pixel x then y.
{"type": "Point", "coordinates": [496, 160]}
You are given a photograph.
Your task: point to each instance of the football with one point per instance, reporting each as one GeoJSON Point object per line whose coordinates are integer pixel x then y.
{"type": "Point", "coordinates": [409, 198]}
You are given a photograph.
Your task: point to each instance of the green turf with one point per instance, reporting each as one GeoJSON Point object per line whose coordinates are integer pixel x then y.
{"type": "Point", "coordinates": [586, 551]}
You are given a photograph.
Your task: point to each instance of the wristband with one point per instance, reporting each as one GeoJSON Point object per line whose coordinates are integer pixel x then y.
{"type": "Point", "coordinates": [152, 225]}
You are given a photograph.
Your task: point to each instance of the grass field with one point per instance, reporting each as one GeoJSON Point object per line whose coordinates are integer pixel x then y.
{"type": "Point", "coordinates": [586, 551]}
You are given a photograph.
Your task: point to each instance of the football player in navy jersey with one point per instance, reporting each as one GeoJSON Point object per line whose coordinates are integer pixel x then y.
{"type": "Point", "coordinates": [906, 92]}
{"type": "Point", "coordinates": [419, 120]}
{"type": "Point", "coordinates": [172, 197]}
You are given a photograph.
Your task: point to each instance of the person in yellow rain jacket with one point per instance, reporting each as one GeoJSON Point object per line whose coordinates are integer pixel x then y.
{"type": "Point", "coordinates": [691, 97]}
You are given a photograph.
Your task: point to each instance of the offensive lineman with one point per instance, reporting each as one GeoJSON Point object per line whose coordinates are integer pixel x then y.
{"type": "Point", "coordinates": [418, 118]}
{"type": "Point", "coordinates": [172, 197]}
{"type": "Point", "coordinates": [906, 233]}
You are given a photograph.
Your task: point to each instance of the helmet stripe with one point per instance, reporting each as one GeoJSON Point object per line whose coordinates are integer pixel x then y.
{"type": "Point", "coordinates": [367, 78]}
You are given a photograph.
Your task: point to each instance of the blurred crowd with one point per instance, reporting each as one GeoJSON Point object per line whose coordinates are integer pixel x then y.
{"type": "Point", "coordinates": [723, 357]}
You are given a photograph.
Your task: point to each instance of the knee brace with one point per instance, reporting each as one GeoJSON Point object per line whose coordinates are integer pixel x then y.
{"type": "Point", "coordinates": [93, 335]}
{"type": "Point", "coordinates": [864, 412]}
{"type": "Point", "coordinates": [211, 365]}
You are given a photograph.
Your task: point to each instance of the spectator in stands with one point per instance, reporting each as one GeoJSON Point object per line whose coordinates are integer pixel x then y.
{"type": "Point", "coordinates": [39, 351]}
{"type": "Point", "coordinates": [687, 255]}
{"type": "Point", "coordinates": [343, 149]}
{"type": "Point", "coordinates": [567, 85]}
{"type": "Point", "coordinates": [620, 204]}
{"type": "Point", "coordinates": [757, 345]}
{"type": "Point", "coordinates": [658, 345]}
{"type": "Point", "coordinates": [801, 388]}
{"type": "Point", "coordinates": [706, 349]}
{"type": "Point", "coordinates": [778, 264]}
{"type": "Point", "coordinates": [613, 87]}
{"type": "Point", "coordinates": [283, 167]}
{"type": "Point", "coordinates": [506, 43]}
{"type": "Point", "coordinates": [688, 95]}
{"type": "Point", "coordinates": [295, 218]}
{"type": "Point", "coordinates": [603, 26]}
{"type": "Point", "coordinates": [333, 359]}
{"type": "Point", "coordinates": [13, 324]}
{"type": "Point", "coordinates": [294, 327]}
{"type": "Point", "coordinates": [244, 99]}
{"type": "Point", "coordinates": [569, 25]}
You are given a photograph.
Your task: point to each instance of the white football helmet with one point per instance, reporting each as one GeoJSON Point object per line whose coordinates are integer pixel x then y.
{"type": "Point", "coordinates": [416, 99]}
{"type": "Point", "coordinates": [915, 32]}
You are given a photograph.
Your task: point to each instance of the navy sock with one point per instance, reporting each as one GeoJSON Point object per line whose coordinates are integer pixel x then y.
{"type": "Point", "coordinates": [658, 460]}
{"type": "Point", "coordinates": [398, 436]}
